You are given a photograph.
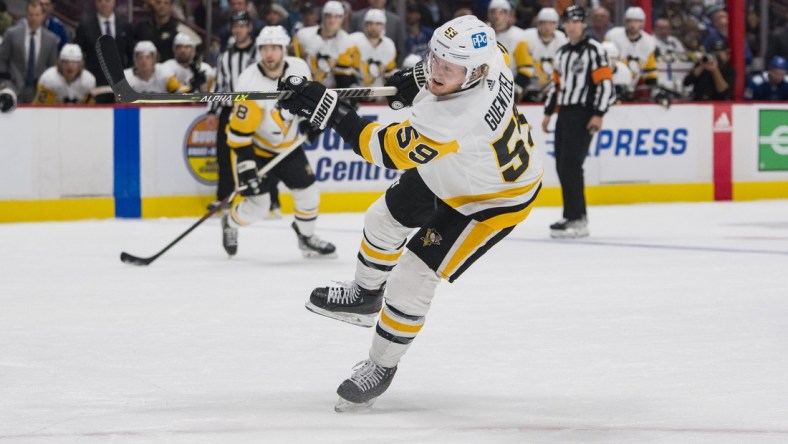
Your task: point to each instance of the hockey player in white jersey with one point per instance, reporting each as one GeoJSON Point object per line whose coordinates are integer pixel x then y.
{"type": "Point", "coordinates": [543, 43]}
{"type": "Point", "coordinates": [622, 76]}
{"type": "Point", "coordinates": [200, 76]}
{"type": "Point", "coordinates": [149, 76]}
{"type": "Point", "coordinates": [68, 81]}
{"type": "Point", "coordinates": [514, 39]}
{"type": "Point", "coordinates": [258, 131]}
{"type": "Point", "coordinates": [375, 55]}
{"type": "Point", "coordinates": [327, 48]}
{"type": "Point", "coordinates": [636, 47]}
{"type": "Point", "coordinates": [471, 175]}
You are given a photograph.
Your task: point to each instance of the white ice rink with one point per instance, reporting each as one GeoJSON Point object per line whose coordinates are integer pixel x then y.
{"type": "Point", "coordinates": [668, 325]}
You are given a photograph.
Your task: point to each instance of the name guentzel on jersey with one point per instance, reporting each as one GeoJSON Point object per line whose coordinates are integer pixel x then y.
{"type": "Point", "coordinates": [501, 104]}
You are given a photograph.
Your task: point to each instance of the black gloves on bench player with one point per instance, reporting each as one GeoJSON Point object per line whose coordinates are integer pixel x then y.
{"type": "Point", "coordinates": [248, 181]}
{"type": "Point", "coordinates": [310, 100]}
{"type": "Point", "coordinates": [7, 100]}
{"type": "Point", "coordinates": [408, 83]}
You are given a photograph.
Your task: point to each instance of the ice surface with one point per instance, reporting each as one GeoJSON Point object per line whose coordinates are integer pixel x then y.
{"type": "Point", "coordinates": [668, 325]}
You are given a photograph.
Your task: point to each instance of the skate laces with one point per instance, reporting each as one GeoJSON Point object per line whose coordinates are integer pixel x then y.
{"type": "Point", "coordinates": [367, 374]}
{"type": "Point", "coordinates": [315, 242]}
{"type": "Point", "coordinates": [343, 292]}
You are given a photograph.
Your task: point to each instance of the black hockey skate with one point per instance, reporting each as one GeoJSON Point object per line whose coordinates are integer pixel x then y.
{"type": "Point", "coordinates": [229, 237]}
{"type": "Point", "coordinates": [347, 302]}
{"type": "Point", "coordinates": [361, 390]}
{"type": "Point", "coordinates": [313, 246]}
{"type": "Point", "coordinates": [569, 229]}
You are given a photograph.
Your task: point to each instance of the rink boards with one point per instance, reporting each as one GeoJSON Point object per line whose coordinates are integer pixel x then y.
{"type": "Point", "coordinates": [62, 163]}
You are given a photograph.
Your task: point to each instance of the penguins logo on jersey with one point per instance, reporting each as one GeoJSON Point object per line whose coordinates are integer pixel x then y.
{"type": "Point", "coordinates": [431, 238]}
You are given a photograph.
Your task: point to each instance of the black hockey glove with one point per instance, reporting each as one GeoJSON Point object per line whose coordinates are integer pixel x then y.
{"type": "Point", "coordinates": [310, 99]}
{"type": "Point", "coordinates": [198, 77]}
{"type": "Point", "coordinates": [408, 83]}
{"type": "Point", "coordinates": [247, 178]}
{"type": "Point", "coordinates": [7, 100]}
{"type": "Point", "coordinates": [311, 133]}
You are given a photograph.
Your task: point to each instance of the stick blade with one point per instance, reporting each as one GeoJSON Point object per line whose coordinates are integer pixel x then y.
{"type": "Point", "coordinates": [112, 66]}
{"type": "Point", "coordinates": [133, 260]}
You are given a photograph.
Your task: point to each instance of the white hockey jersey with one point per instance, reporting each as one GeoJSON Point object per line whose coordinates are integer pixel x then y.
{"type": "Point", "coordinates": [260, 122]}
{"type": "Point", "coordinates": [515, 41]}
{"type": "Point", "coordinates": [543, 54]}
{"type": "Point", "coordinates": [638, 55]}
{"type": "Point", "coordinates": [162, 81]}
{"type": "Point", "coordinates": [324, 56]}
{"type": "Point", "coordinates": [184, 74]}
{"type": "Point", "coordinates": [373, 65]}
{"type": "Point", "coordinates": [53, 88]}
{"type": "Point", "coordinates": [472, 148]}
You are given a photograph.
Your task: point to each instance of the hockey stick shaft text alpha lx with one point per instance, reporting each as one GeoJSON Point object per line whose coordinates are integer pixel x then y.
{"type": "Point", "coordinates": [113, 69]}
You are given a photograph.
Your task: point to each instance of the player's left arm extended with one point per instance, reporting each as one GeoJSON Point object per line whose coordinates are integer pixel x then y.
{"type": "Point", "coordinates": [396, 146]}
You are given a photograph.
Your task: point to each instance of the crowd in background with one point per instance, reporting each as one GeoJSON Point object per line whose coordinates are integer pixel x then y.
{"type": "Point", "coordinates": [691, 57]}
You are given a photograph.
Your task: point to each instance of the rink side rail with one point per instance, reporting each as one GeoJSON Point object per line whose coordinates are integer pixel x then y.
{"type": "Point", "coordinates": [97, 162]}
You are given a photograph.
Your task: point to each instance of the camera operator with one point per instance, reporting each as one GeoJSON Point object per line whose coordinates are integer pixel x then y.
{"type": "Point", "coordinates": [713, 76]}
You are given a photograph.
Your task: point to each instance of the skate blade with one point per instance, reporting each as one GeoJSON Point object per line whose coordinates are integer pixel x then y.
{"type": "Point", "coordinates": [562, 234]}
{"type": "Point", "coordinates": [309, 254]}
{"type": "Point", "coordinates": [350, 318]}
{"type": "Point", "coordinates": [345, 406]}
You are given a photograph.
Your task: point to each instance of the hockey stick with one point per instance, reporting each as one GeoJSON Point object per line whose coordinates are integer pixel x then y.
{"type": "Point", "coordinates": [113, 69]}
{"type": "Point", "coordinates": [142, 261]}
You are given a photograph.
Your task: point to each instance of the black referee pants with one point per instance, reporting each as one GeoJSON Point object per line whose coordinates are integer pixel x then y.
{"type": "Point", "coordinates": [572, 141]}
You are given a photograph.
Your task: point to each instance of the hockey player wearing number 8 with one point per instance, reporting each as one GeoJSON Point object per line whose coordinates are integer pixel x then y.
{"type": "Point", "coordinates": [257, 132]}
{"type": "Point", "coordinates": [471, 175]}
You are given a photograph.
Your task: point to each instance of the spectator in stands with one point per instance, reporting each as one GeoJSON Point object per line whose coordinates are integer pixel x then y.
{"type": "Point", "coordinates": [68, 81]}
{"type": "Point", "coordinates": [5, 19]}
{"type": "Point", "coordinates": [599, 24]}
{"type": "Point", "coordinates": [636, 47]}
{"type": "Point", "coordinates": [669, 48]}
{"type": "Point", "coordinates": [417, 36]}
{"type": "Point", "coordinates": [160, 29]}
{"type": "Point", "coordinates": [104, 22]}
{"type": "Point", "coordinates": [719, 31]}
{"type": "Point", "coordinates": [188, 69]}
{"type": "Point", "coordinates": [778, 43]}
{"type": "Point", "coordinates": [26, 52]}
{"type": "Point", "coordinates": [771, 84]}
{"type": "Point", "coordinates": [53, 24]}
{"type": "Point", "coordinates": [435, 13]}
{"type": "Point", "coordinates": [310, 16]}
{"type": "Point", "coordinates": [713, 76]}
{"type": "Point", "coordinates": [394, 25]}
{"type": "Point", "coordinates": [149, 76]}
{"type": "Point", "coordinates": [277, 15]}
{"type": "Point", "coordinates": [225, 35]}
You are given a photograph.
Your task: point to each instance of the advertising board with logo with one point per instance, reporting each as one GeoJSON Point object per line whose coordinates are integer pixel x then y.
{"type": "Point", "coordinates": [773, 140]}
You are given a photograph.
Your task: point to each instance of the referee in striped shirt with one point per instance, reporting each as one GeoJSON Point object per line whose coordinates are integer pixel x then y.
{"type": "Point", "coordinates": [581, 93]}
{"type": "Point", "coordinates": [230, 65]}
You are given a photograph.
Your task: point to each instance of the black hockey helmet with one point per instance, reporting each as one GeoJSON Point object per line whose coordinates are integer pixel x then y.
{"type": "Point", "coordinates": [574, 13]}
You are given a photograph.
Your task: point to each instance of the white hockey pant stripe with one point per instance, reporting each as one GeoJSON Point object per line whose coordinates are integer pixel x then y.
{"type": "Point", "coordinates": [410, 290]}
